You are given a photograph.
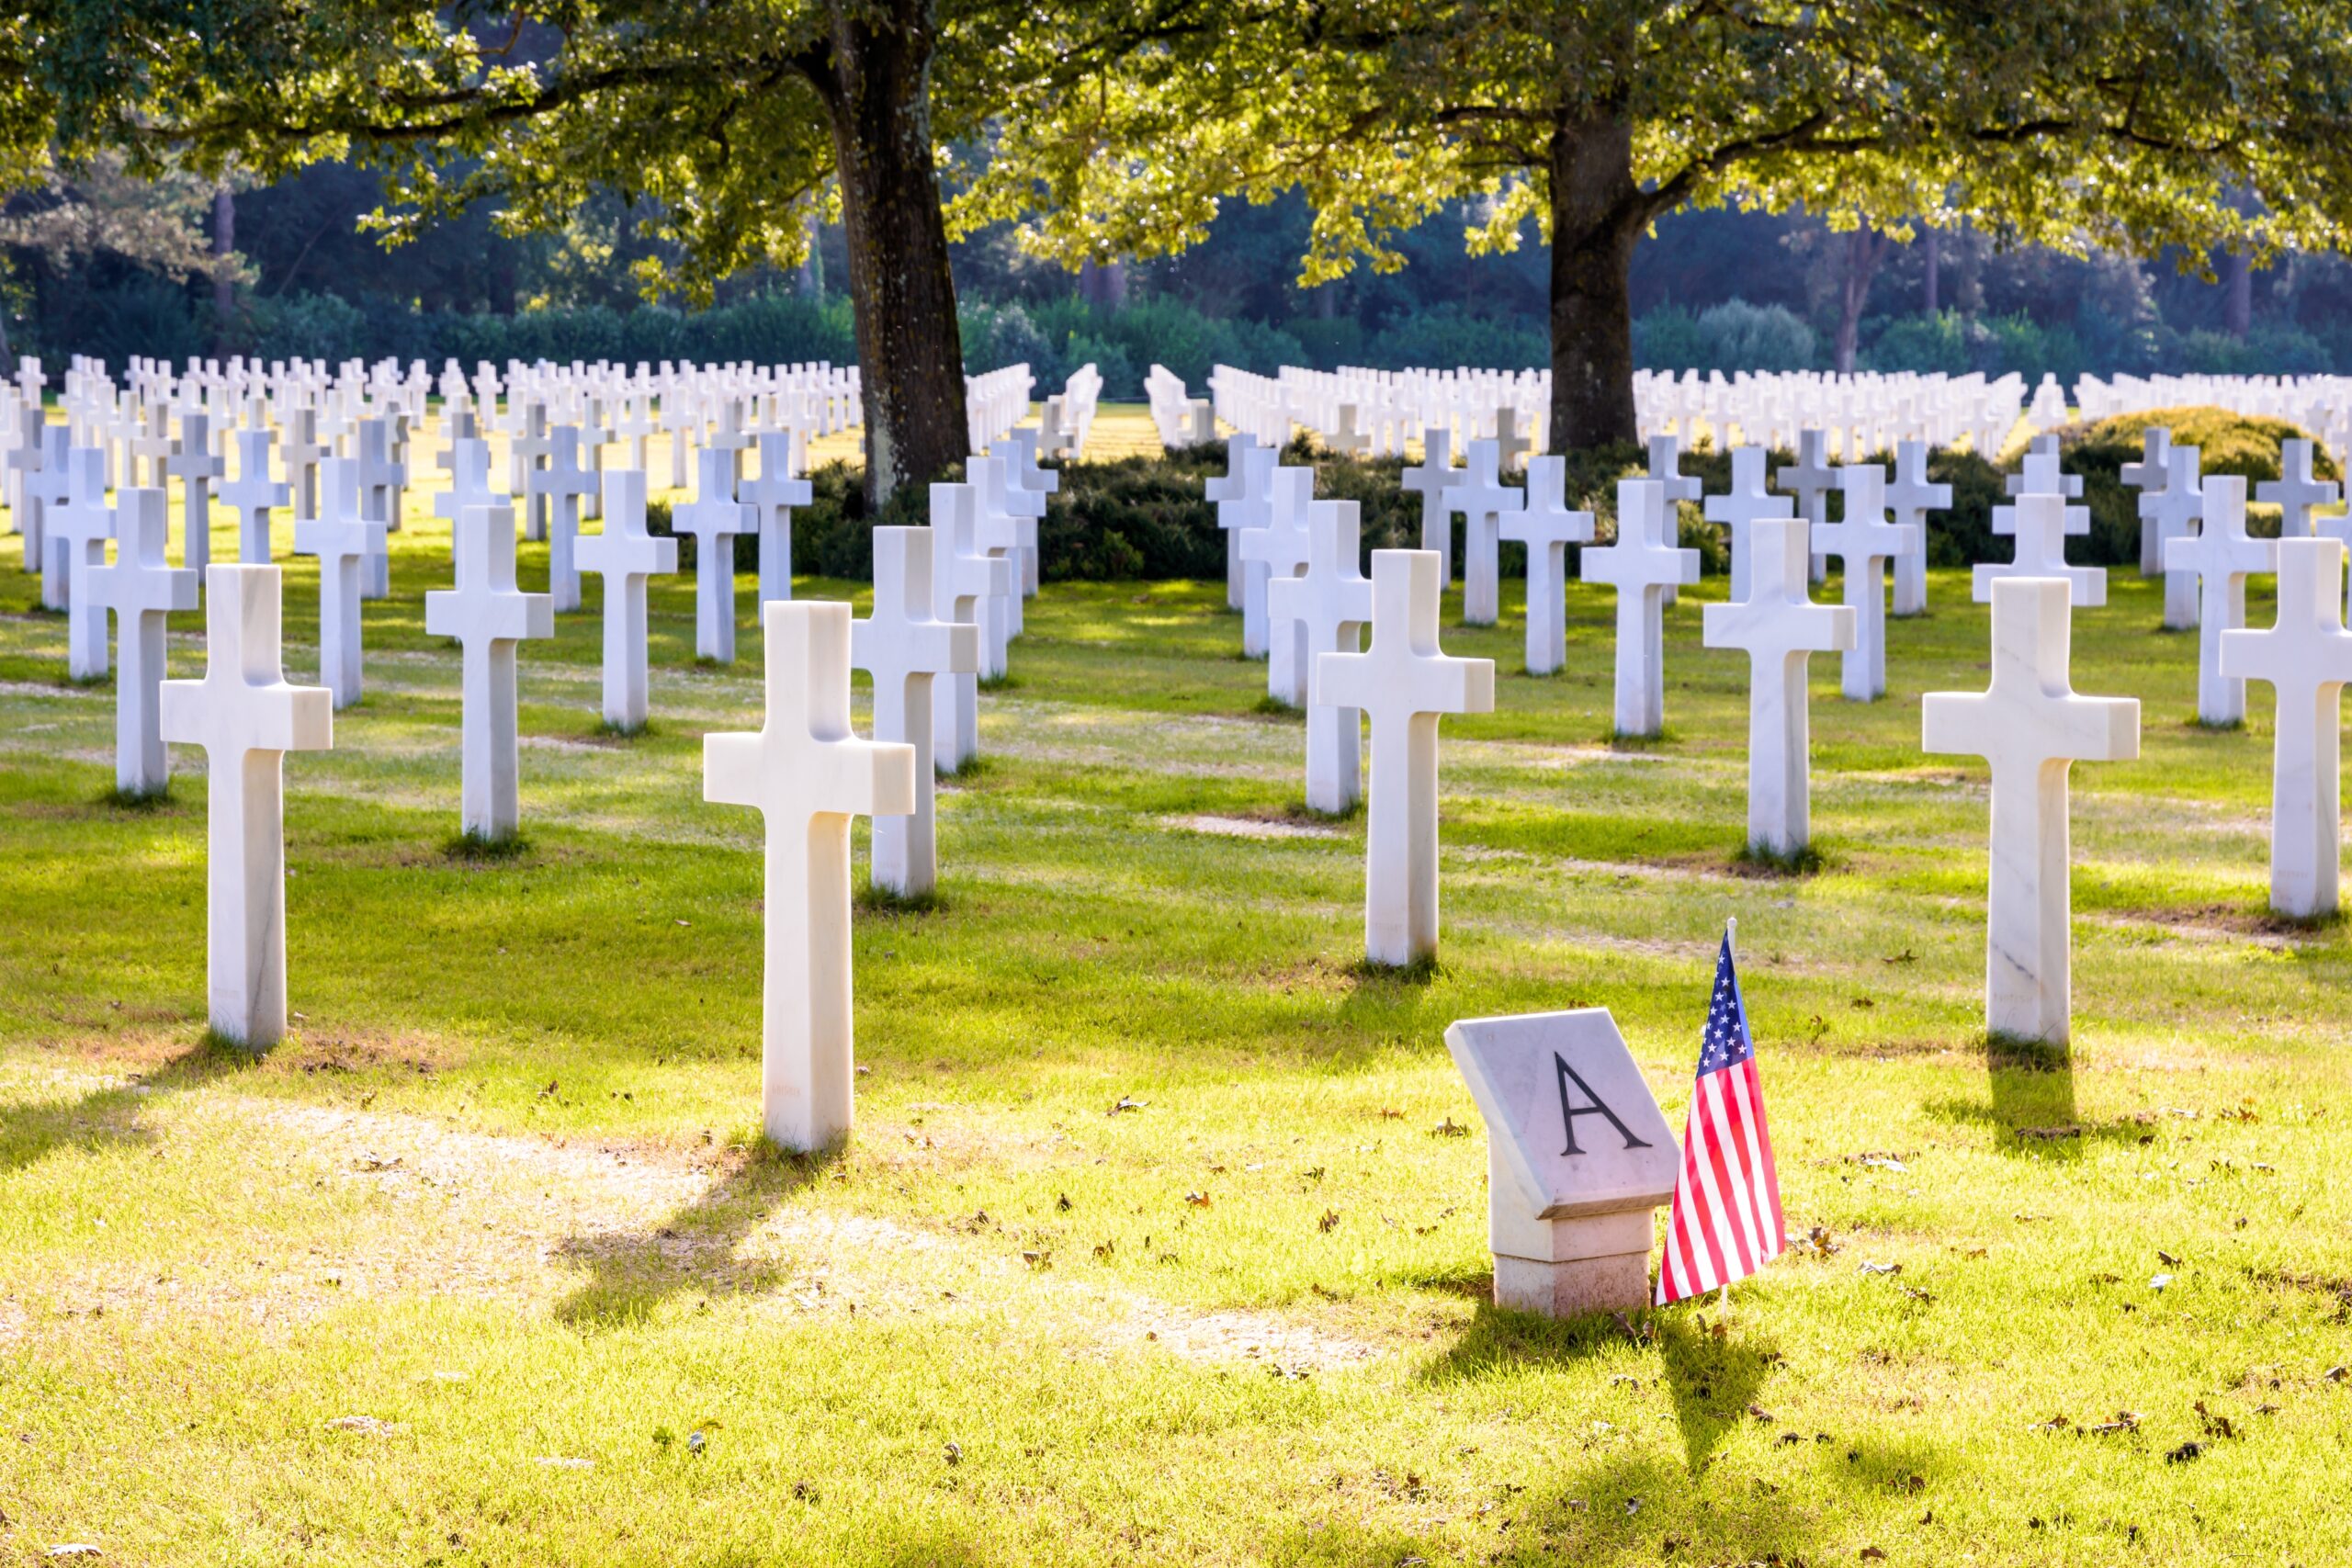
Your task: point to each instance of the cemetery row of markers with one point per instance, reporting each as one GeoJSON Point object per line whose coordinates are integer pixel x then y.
{"type": "Point", "coordinates": [948, 601]}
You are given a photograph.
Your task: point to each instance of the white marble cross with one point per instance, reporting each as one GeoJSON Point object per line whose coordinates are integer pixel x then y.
{"type": "Point", "coordinates": [807, 774]}
{"type": "Point", "coordinates": [2220, 556]}
{"type": "Point", "coordinates": [46, 489]}
{"type": "Point", "coordinates": [772, 496]}
{"type": "Point", "coordinates": [343, 542]}
{"type": "Point", "coordinates": [2295, 493]}
{"type": "Point", "coordinates": [1482, 499]}
{"type": "Point", "coordinates": [1007, 525]}
{"type": "Point", "coordinates": [906, 648]}
{"type": "Point", "coordinates": [1747, 502]}
{"type": "Point", "coordinates": [1864, 541]}
{"type": "Point", "coordinates": [1911, 497]}
{"type": "Point", "coordinates": [1235, 485]}
{"type": "Point", "coordinates": [1010, 493]}
{"type": "Point", "coordinates": [246, 717]}
{"type": "Point", "coordinates": [140, 588]}
{"type": "Point", "coordinates": [1431, 481]}
{"type": "Point", "coordinates": [251, 495]}
{"type": "Point", "coordinates": [1329, 604]}
{"type": "Point", "coordinates": [1639, 566]}
{"type": "Point", "coordinates": [2030, 727]}
{"type": "Point", "coordinates": [2040, 473]}
{"type": "Point", "coordinates": [81, 528]}
{"type": "Point", "coordinates": [626, 555]}
{"type": "Point", "coordinates": [1240, 515]}
{"type": "Point", "coordinates": [2176, 510]}
{"type": "Point", "coordinates": [1546, 526]}
{"type": "Point", "coordinates": [302, 451]}
{"type": "Point", "coordinates": [527, 453]}
{"type": "Point", "coordinates": [555, 490]}
{"type": "Point", "coordinates": [2306, 658]}
{"type": "Point", "coordinates": [714, 517]}
{"type": "Point", "coordinates": [1278, 550]}
{"type": "Point", "coordinates": [468, 459]}
{"type": "Point", "coordinates": [190, 460]}
{"type": "Point", "coordinates": [963, 578]}
{"type": "Point", "coordinates": [2147, 476]}
{"type": "Point", "coordinates": [1811, 479]}
{"type": "Point", "coordinates": [379, 480]}
{"type": "Point", "coordinates": [1511, 443]}
{"type": "Point", "coordinates": [1404, 682]}
{"type": "Point", "coordinates": [2042, 552]}
{"type": "Point", "coordinates": [1779, 627]}
{"type": "Point", "coordinates": [488, 617]}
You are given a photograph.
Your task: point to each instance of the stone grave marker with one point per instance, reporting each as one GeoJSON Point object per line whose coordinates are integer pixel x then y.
{"type": "Point", "coordinates": [141, 589]}
{"type": "Point", "coordinates": [626, 557]}
{"type": "Point", "coordinates": [1280, 550]}
{"type": "Point", "coordinates": [190, 461]}
{"type": "Point", "coordinates": [1779, 628]}
{"type": "Point", "coordinates": [2030, 727]}
{"type": "Point", "coordinates": [1431, 479]}
{"type": "Point", "coordinates": [1911, 497]}
{"type": "Point", "coordinates": [2306, 658]}
{"type": "Point", "coordinates": [1747, 502]}
{"type": "Point", "coordinates": [714, 517]}
{"type": "Point", "coordinates": [772, 496]}
{"type": "Point", "coordinates": [80, 529]}
{"type": "Point", "coordinates": [1864, 541]}
{"type": "Point", "coordinates": [344, 542]}
{"type": "Point", "coordinates": [2295, 493]}
{"type": "Point", "coordinates": [1639, 566]}
{"type": "Point", "coordinates": [246, 716]}
{"type": "Point", "coordinates": [1546, 526]}
{"type": "Point", "coordinates": [2175, 511]}
{"type": "Point", "coordinates": [807, 774]}
{"type": "Point", "coordinates": [2042, 553]}
{"type": "Point", "coordinates": [1577, 1156]}
{"type": "Point", "coordinates": [906, 649]}
{"type": "Point", "coordinates": [1329, 604]}
{"type": "Point", "coordinates": [489, 617]}
{"type": "Point", "coordinates": [1234, 488]}
{"type": "Point", "coordinates": [253, 495]}
{"type": "Point", "coordinates": [1404, 682]}
{"type": "Point", "coordinates": [963, 578]}
{"type": "Point", "coordinates": [2220, 556]}
{"type": "Point", "coordinates": [1483, 500]}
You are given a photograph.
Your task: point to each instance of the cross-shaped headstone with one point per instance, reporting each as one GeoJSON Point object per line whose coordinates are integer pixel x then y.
{"type": "Point", "coordinates": [625, 555]}
{"type": "Point", "coordinates": [1329, 603]}
{"type": "Point", "coordinates": [469, 489]}
{"type": "Point", "coordinates": [2221, 557]}
{"type": "Point", "coordinates": [2176, 510]}
{"type": "Point", "coordinates": [963, 578]}
{"type": "Point", "coordinates": [1911, 497]}
{"type": "Point", "coordinates": [192, 463]}
{"type": "Point", "coordinates": [246, 717]}
{"type": "Point", "coordinates": [1513, 440]}
{"type": "Point", "coordinates": [556, 490]}
{"type": "Point", "coordinates": [772, 496]}
{"type": "Point", "coordinates": [2042, 552]}
{"type": "Point", "coordinates": [343, 542]}
{"type": "Point", "coordinates": [2295, 493]}
{"type": "Point", "coordinates": [1747, 502]}
{"type": "Point", "coordinates": [1239, 515]}
{"type": "Point", "coordinates": [81, 527]}
{"type": "Point", "coordinates": [46, 489]}
{"type": "Point", "coordinates": [2030, 727]}
{"type": "Point", "coordinates": [24, 462]}
{"type": "Point", "coordinates": [905, 647]}
{"type": "Point", "coordinates": [140, 588]}
{"type": "Point", "coordinates": [488, 617]}
{"type": "Point", "coordinates": [1781, 628]}
{"type": "Point", "coordinates": [150, 445]}
{"type": "Point", "coordinates": [1281, 550]}
{"type": "Point", "coordinates": [1234, 486]}
{"type": "Point", "coordinates": [1431, 481]}
{"type": "Point", "coordinates": [1865, 541]}
{"type": "Point", "coordinates": [1347, 440]}
{"type": "Point", "coordinates": [1404, 682]}
{"type": "Point", "coordinates": [379, 480]}
{"type": "Point", "coordinates": [2306, 658]}
{"type": "Point", "coordinates": [251, 495]}
{"type": "Point", "coordinates": [1666, 467]}
{"type": "Point", "coordinates": [527, 453]}
{"type": "Point", "coordinates": [1482, 499]}
{"type": "Point", "coordinates": [807, 774]}
{"type": "Point", "coordinates": [1639, 566]}
{"type": "Point", "coordinates": [1546, 526]}
{"type": "Point", "coordinates": [302, 452]}
{"type": "Point", "coordinates": [2040, 475]}
{"type": "Point", "coordinates": [2147, 476]}
{"type": "Point", "coordinates": [1008, 526]}
{"type": "Point", "coordinates": [713, 519]}
{"type": "Point", "coordinates": [1809, 479]}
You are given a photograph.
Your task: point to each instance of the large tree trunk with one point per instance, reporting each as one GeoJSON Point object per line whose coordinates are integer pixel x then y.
{"type": "Point", "coordinates": [2238, 304]}
{"type": "Point", "coordinates": [910, 350]}
{"type": "Point", "coordinates": [1865, 250]}
{"type": "Point", "coordinates": [1597, 214]}
{"type": "Point", "coordinates": [224, 286]}
{"type": "Point", "coordinates": [1933, 269]}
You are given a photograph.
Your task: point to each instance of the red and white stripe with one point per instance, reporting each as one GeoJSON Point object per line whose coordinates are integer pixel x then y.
{"type": "Point", "coordinates": [1727, 1216]}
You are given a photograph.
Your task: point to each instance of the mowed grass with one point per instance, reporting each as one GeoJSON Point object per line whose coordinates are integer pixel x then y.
{"type": "Point", "coordinates": [485, 1265]}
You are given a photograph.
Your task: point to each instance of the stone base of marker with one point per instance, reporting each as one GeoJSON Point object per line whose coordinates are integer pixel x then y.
{"type": "Point", "coordinates": [1595, 1263]}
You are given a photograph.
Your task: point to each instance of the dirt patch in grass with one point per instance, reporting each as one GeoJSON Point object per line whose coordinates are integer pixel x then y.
{"type": "Point", "coordinates": [2218, 923]}
{"type": "Point", "coordinates": [1248, 827]}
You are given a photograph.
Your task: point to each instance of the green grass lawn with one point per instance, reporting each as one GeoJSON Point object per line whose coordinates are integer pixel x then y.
{"type": "Point", "coordinates": [484, 1265]}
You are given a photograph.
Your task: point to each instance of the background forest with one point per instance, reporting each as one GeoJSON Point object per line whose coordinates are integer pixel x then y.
{"type": "Point", "coordinates": [98, 263]}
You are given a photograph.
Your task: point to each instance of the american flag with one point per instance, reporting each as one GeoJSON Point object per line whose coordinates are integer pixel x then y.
{"type": "Point", "coordinates": [1727, 1216]}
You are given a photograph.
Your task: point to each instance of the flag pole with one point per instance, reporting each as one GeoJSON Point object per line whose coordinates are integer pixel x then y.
{"type": "Point", "coordinates": [1731, 943]}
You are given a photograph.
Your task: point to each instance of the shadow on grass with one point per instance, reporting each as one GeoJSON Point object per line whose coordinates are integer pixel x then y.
{"type": "Point", "coordinates": [108, 1118]}
{"type": "Point", "coordinates": [630, 1273]}
{"type": "Point", "coordinates": [474, 847]}
{"type": "Point", "coordinates": [876, 900]}
{"type": "Point", "coordinates": [1714, 1372]}
{"type": "Point", "coordinates": [146, 800]}
{"type": "Point", "coordinates": [1379, 981]}
{"type": "Point", "coordinates": [2029, 1102]}
{"type": "Point", "coordinates": [1756, 861]}
{"type": "Point", "coordinates": [1499, 1340]}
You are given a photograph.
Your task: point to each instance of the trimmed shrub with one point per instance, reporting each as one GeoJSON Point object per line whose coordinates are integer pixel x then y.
{"type": "Point", "coordinates": [1732, 337]}
{"type": "Point", "coordinates": [2227, 443]}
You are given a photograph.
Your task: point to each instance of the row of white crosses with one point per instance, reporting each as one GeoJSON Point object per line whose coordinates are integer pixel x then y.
{"type": "Point", "coordinates": [1858, 414]}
